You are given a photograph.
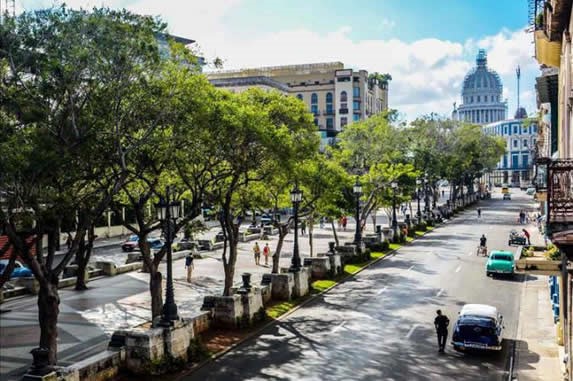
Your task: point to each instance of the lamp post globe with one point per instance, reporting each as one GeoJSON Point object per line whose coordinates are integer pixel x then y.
{"type": "Point", "coordinates": [394, 186]}
{"type": "Point", "coordinates": [296, 198]}
{"type": "Point", "coordinates": [168, 213]}
{"type": "Point", "coordinates": [357, 190]}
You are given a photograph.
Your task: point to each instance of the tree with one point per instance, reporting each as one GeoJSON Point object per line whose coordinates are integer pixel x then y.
{"type": "Point", "coordinates": [255, 131]}
{"type": "Point", "coordinates": [376, 151]}
{"type": "Point", "coordinates": [68, 78]}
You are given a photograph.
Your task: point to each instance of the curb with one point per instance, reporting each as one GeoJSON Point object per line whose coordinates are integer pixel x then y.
{"type": "Point", "coordinates": [257, 332]}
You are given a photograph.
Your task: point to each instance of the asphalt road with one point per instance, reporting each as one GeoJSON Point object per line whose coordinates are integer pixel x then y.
{"type": "Point", "coordinates": [379, 324]}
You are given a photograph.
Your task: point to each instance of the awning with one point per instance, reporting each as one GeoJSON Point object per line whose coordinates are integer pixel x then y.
{"type": "Point", "coordinates": [548, 88]}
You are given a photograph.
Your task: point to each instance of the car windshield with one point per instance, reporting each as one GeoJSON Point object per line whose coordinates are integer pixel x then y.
{"type": "Point", "coordinates": [501, 257]}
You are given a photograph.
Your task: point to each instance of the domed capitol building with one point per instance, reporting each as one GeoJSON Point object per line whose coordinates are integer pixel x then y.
{"type": "Point", "coordinates": [481, 95]}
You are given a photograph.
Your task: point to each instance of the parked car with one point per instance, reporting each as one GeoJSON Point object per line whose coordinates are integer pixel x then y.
{"type": "Point", "coordinates": [479, 326]}
{"type": "Point", "coordinates": [132, 243]}
{"type": "Point", "coordinates": [516, 238]}
{"type": "Point", "coordinates": [507, 196]}
{"type": "Point", "coordinates": [500, 262]}
{"type": "Point", "coordinates": [266, 219]}
{"type": "Point", "coordinates": [185, 244]}
{"type": "Point", "coordinates": [20, 271]}
{"type": "Point", "coordinates": [530, 191]}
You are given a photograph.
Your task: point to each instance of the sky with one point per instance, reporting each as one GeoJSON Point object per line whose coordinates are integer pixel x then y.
{"type": "Point", "coordinates": [428, 46]}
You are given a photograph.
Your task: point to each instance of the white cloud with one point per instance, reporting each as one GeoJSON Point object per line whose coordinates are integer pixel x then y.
{"type": "Point", "coordinates": [427, 74]}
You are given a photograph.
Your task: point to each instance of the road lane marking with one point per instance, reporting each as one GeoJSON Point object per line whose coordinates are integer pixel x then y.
{"type": "Point", "coordinates": [410, 268]}
{"type": "Point", "coordinates": [411, 331]}
{"type": "Point", "coordinates": [382, 290]}
{"type": "Point", "coordinates": [440, 292]}
{"type": "Point", "coordinates": [458, 268]}
{"type": "Point", "coordinates": [338, 327]}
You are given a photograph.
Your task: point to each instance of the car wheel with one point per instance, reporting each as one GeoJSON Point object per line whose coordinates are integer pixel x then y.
{"type": "Point", "coordinates": [457, 348]}
{"type": "Point", "coordinates": [488, 273]}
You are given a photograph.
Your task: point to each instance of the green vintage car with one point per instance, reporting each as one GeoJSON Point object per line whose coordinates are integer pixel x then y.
{"type": "Point", "coordinates": [500, 262]}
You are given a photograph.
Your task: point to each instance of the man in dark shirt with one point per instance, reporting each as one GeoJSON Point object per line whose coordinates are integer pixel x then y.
{"type": "Point", "coordinates": [441, 323]}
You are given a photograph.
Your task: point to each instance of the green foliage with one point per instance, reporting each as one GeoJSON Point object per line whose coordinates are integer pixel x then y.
{"type": "Point", "coordinates": [552, 253]}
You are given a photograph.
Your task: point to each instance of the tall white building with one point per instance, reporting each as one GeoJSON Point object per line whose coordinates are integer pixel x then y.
{"type": "Point", "coordinates": [481, 95]}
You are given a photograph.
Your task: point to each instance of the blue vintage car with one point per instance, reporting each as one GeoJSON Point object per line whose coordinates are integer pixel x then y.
{"type": "Point", "coordinates": [20, 271]}
{"type": "Point", "coordinates": [479, 327]}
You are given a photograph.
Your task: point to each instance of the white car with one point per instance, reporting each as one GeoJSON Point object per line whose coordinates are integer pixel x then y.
{"type": "Point", "coordinates": [530, 191]}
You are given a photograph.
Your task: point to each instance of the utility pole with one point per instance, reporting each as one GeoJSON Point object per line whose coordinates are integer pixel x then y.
{"type": "Point", "coordinates": [518, 72]}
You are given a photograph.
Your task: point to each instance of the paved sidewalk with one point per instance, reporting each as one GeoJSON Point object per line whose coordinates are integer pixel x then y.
{"type": "Point", "coordinates": [537, 353]}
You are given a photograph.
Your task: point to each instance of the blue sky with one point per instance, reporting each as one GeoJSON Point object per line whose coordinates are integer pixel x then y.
{"type": "Point", "coordinates": [427, 45]}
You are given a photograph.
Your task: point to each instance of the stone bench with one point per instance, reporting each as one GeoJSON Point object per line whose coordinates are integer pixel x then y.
{"type": "Point", "coordinates": [319, 267]}
{"type": "Point", "coordinates": [243, 237]}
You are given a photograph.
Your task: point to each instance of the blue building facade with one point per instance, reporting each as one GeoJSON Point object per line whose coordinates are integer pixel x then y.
{"type": "Point", "coordinates": [515, 167]}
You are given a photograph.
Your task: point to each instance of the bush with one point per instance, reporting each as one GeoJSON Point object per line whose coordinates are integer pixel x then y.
{"type": "Point", "coordinates": [552, 253]}
{"type": "Point", "coordinates": [379, 246]}
{"type": "Point", "coordinates": [421, 227]}
{"type": "Point", "coordinates": [411, 233]}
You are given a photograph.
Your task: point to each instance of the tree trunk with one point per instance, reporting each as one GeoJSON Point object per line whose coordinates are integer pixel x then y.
{"type": "Point", "coordinates": [373, 216]}
{"type": "Point", "coordinates": [283, 231]}
{"type": "Point", "coordinates": [334, 233]}
{"type": "Point", "coordinates": [84, 260]}
{"type": "Point", "coordinates": [310, 240]}
{"type": "Point", "coordinates": [229, 266]}
{"type": "Point", "coordinates": [155, 289]}
{"type": "Point", "coordinates": [48, 311]}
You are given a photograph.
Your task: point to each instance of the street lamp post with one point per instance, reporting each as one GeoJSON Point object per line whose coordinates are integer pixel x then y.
{"type": "Point", "coordinates": [357, 192]}
{"type": "Point", "coordinates": [167, 213]}
{"type": "Point", "coordinates": [418, 182]}
{"type": "Point", "coordinates": [394, 186]}
{"type": "Point", "coordinates": [296, 198]}
{"type": "Point", "coordinates": [426, 198]}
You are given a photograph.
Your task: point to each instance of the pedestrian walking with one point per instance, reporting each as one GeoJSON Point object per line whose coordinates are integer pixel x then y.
{"type": "Point", "coordinates": [69, 241]}
{"type": "Point", "coordinates": [479, 212]}
{"type": "Point", "coordinates": [257, 252]}
{"type": "Point", "coordinates": [443, 193]}
{"type": "Point", "coordinates": [340, 223]}
{"type": "Point", "coordinates": [321, 222]}
{"type": "Point", "coordinates": [522, 217]}
{"type": "Point", "coordinates": [303, 227]}
{"type": "Point", "coordinates": [526, 234]}
{"type": "Point", "coordinates": [189, 266]}
{"type": "Point", "coordinates": [441, 323]}
{"type": "Point", "coordinates": [266, 253]}
{"type": "Point", "coordinates": [344, 222]}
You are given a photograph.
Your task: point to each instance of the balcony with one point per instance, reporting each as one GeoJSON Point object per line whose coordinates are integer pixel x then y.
{"type": "Point", "coordinates": [315, 113]}
{"type": "Point", "coordinates": [547, 52]}
{"type": "Point", "coordinates": [357, 111]}
{"type": "Point", "coordinates": [328, 112]}
{"type": "Point", "coordinates": [343, 111]}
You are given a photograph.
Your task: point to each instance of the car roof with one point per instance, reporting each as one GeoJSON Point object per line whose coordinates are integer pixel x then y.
{"type": "Point", "coordinates": [479, 310]}
{"type": "Point", "coordinates": [504, 252]}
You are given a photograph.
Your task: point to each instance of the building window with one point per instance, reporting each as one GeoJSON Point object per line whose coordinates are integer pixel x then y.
{"type": "Point", "coordinates": [485, 98]}
{"type": "Point", "coordinates": [534, 141]}
{"type": "Point", "coordinates": [343, 96]}
{"type": "Point", "coordinates": [315, 121]}
{"type": "Point", "coordinates": [504, 161]}
{"type": "Point", "coordinates": [314, 109]}
{"type": "Point", "coordinates": [534, 129]}
{"type": "Point", "coordinates": [343, 79]}
{"type": "Point", "coordinates": [356, 105]}
{"type": "Point", "coordinates": [314, 99]}
{"type": "Point", "coordinates": [472, 99]}
{"type": "Point", "coordinates": [329, 104]}
{"type": "Point", "coordinates": [356, 92]}
{"type": "Point", "coordinates": [329, 123]}
{"type": "Point", "coordinates": [343, 121]}
{"type": "Point", "coordinates": [515, 143]}
{"type": "Point", "coordinates": [479, 99]}
{"type": "Point", "coordinates": [525, 161]}
{"type": "Point", "coordinates": [356, 117]}
{"type": "Point", "coordinates": [514, 161]}
{"type": "Point", "coordinates": [524, 143]}
{"type": "Point", "coordinates": [299, 96]}
{"type": "Point", "coordinates": [515, 130]}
